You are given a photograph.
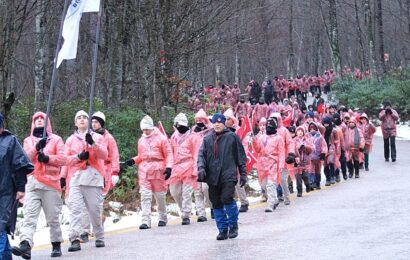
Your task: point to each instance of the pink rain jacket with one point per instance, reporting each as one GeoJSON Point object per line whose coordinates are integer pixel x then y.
{"type": "Point", "coordinates": [48, 173]}
{"type": "Point", "coordinates": [154, 156]}
{"type": "Point", "coordinates": [352, 148]}
{"type": "Point", "coordinates": [368, 130]}
{"type": "Point", "coordinates": [388, 126]}
{"type": "Point", "coordinates": [112, 163]}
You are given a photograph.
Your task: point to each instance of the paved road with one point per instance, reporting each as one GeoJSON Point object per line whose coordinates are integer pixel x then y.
{"type": "Point", "coordinates": [366, 218]}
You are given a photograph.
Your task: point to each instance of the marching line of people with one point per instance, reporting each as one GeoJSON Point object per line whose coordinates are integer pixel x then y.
{"type": "Point", "coordinates": [208, 160]}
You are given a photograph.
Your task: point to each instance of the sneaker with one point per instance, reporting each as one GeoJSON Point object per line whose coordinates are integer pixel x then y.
{"type": "Point", "coordinates": [366, 168]}
{"type": "Point", "coordinates": [350, 175]}
{"type": "Point", "coordinates": [185, 221]}
{"type": "Point", "coordinates": [84, 238]}
{"type": "Point", "coordinates": [386, 159]}
{"type": "Point", "coordinates": [223, 235]}
{"type": "Point", "coordinates": [75, 246]}
{"type": "Point", "coordinates": [233, 231]}
{"type": "Point", "coordinates": [332, 181]}
{"type": "Point", "coordinates": [202, 219]}
{"type": "Point", "coordinates": [286, 202]}
{"type": "Point", "coordinates": [144, 226]}
{"type": "Point", "coordinates": [344, 176]}
{"type": "Point", "coordinates": [318, 187]}
{"type": "Point", "coordinates": [268, 210]}
{"type": "Point", "coordinates": [243, 208]}
{"type": "Point", "coordinates": [308, 189]}
{"type": "Point", "coordinates": [23, 250]}
{"type": "Point", "coordinates": [356, 176]}
{"type": "Point", "coordinates": [338, 178]}
{"type": "Point", "coordinates": [56, 251]}
{"type": "Point", "coordinates": [327, 183]}
{"type": "Point", "coordinates": [162, 223]}
{"type": "Point", "coordinates": [393, 160]}
{"type": "Point", "coordinates": [275, 205]}
{"type": "Point", "coordinates": [99, 243]}
{"type": "Point", "coordinates": [299, 194]}
{"type": "Point", "coordinates": [280, 198]}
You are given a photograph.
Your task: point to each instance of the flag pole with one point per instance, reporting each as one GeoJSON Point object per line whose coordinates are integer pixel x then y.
{"type": "Point", "coordinates": [95, 61]}
{"type": "Point", "coordinates": [54, 73]}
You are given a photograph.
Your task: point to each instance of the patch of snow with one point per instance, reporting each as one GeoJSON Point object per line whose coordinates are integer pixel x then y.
{"type": "Point", "coordinates": [403, 132]}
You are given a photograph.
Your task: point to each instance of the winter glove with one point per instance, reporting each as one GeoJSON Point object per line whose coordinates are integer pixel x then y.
{"type": "Point", "coordinates": [89, 139]}
{"type": "Point", "coordinates": [167, 173]}
{"type": "Point", "coordinates": [302, 147]}
{"type": "Point", "coordinates": [201, 176]}
{"type": "Point", "coordinates": [361, 150]}
{"type": "Point", "coordinates": [41, 144]}
{"type": "Point", "coordinates": [62, 183]}
{"type": "Point", "coordinates": [388, 111]}
{"type": "Point", "coordinates": [130, 162]}
{"type": "Point", "coordinates": [115, 179]}
{"type": "Point", "coordinates": [290, 159]}
{"type": "Point", "coordinates": [322, 156]}
{"type": "Point", "coordinates": [84, 155]}
{"type": "Point", "coordinates": [43, 158]}
{"type": "Point", "coordinates": [243, 180]}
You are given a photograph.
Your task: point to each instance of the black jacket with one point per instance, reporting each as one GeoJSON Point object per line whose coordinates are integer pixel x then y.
{"type": "Point", "coordinates": [14, 166]}
{"type": "Point", "coordinates": [229, 158]}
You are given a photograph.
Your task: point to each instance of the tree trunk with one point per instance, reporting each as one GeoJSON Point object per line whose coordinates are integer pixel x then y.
{"type": "Point", "coordinates": [360, 37]}
{"type": "Point", "coordinates": [291, 54]}
{"type": "Point", "coordinates": [39, 68]}
{"type": "Point", "coordinates": [381, 35]}
{"type": "Point", "coordinates": [334, 35]}
{"type": "Point", "coordinates": [368, 18]}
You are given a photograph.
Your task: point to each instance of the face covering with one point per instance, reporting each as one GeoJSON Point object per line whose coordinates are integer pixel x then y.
{"type": "Point", "coordinates": [182, 129]}
{"type": "Point", "coordinates": [38, 132]}
{"type": "Point", "coordinates": [313, 132]}
{"type": "Point", "coordinates": [271, 130]}
{"type": "Point", "coordinates": [242, 101]}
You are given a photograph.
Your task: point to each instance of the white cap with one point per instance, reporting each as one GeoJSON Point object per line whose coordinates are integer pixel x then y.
{"type": "Point", "coordinates": [99, 114]}
{"type": "Point", "coordinates": [181, 119]}
{"type": "Point", "coordinates": [80, 113]}
{"type": "Point", "coordinates": [147, 123]}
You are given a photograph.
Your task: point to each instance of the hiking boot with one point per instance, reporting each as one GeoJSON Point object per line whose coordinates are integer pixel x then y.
{"type": "Point", "coordinates": [366, 168]}
{"type": "Point", "coordinates": [56, 251]}
{"type": "Point", "coordinates": [308, 189]}
{"type": "Point", "coordinates": [356, 176]}
{"type": "Point", "coordinates": [185, 221]}
{"type": "Point", "coordinates": [351, 175]}
{"type": "Point", "coordinates": [344, 176]}
{"type": "Point", "coordinates": [233, 231]}
{"type": "Point", "coordinates": [75, 246]}
{"type": "Point", "coordinates": [99, 243]}
{"type": "Point", "coordinates": [202, 219]}
{"type": "Point", "coordinates": [223, 235]}
{"type": "Point", "coordinates": [162, 223]}
{"type": "Point", "coordinates": [144, 226]}
{"type": "Point", "coordinates": [332, 181]}
{"type": "Point", "coordinates": [393, 160]}
{"type": "Point", "coordinates": [327, 183]}
{"type": "Point", "coordinates": [280, 198]}
{"type": "Point", "coordinates": [338, 178]}
{"type": "Point", "coordinates": [286, 202]}
{"type": "Point", "coordinates": [243, 208]}
{"type": "Point", "coordinates": [386, 159]}
{"type": "Point", "coordinates": [23, 250]}
{"type": "Point", "coordinates": [275, 205]}
{"type": "Point", "coordinates": [299, 194]}
{"type": "Point", "coordinates": [84, 238]}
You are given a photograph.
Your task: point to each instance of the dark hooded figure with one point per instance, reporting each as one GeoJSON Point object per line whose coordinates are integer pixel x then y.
{"type": "Point", "coordinates": [268, 92]}
{"type": "Point", "coordinates": [14, 167]}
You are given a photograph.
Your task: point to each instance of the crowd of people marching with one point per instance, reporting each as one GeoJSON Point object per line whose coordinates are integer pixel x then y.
{"type": "Point", "coordinates": [270, 128]}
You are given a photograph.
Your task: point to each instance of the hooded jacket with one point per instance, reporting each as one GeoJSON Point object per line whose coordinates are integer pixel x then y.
{"type": "Point", "coordinates": [368, 130]}
{"type": "Point", "coordinates": [221, 156]}
{"type": "Point", "coordinates": [112, 163]}
{"type": "Point", "coordinates": [14, 165]}
{"type": "Point", "coordinates": [154, 156]}
{"type": "Point", "coordinates": [46, 173]}
{"type": "Point", "coordinates": [284, 133]}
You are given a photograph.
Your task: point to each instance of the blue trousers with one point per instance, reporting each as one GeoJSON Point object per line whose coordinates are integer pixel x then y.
{"type": "Point", "coordinates": [5, 248]}
{"type": "Point", "coordinates": [226, 216]}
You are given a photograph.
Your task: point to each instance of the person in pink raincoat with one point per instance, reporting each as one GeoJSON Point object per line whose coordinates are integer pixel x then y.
{"type": "Point", "coordinates": [43, 188]}
{"type": "Point", "coordinates": [354, 146]}
{"type": "Point", "coordinates": [242, 109]}
{"type": "Point", "coordinates": [155, 162]}
{"type": "Point", "coordinates": [303, 149]}
{"type": "Point", "coordinates": [333, 146]}
{"type": "Point", "coordinates": [289, 149]}
{"type": "Point", "coordinates": [232, 124]}
{"type": "Point", "coordinates": [317, 156]}
{"type": "Point", "coordinates": [261, 110]}
{"type": "Point", "coordinates": [84, 172]}
{"type": "Point", "coordinates": [183, 180]}
{"type": "Point", "coordinates": [389, 118]}
{"type": "Point", "coordinates": [368, 130]}
{"type": "Point", "coordinates": [271, 161]}
{"type": "Point", "coordinates": [340, 163]}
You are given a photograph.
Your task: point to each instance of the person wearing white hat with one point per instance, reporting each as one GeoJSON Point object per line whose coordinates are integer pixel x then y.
{"type": "Point", "coordinates": [155, 162]}
{"type": "Point", "coordinates": [111, 164]}
{"type": "Point", "coordinates": [84, 172]}
{"type": "Point", "coordinates": [183, 180]}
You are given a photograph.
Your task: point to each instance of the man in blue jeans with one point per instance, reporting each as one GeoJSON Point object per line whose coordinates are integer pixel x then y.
{"type": "Point", "coordinates": [15, 166]}
{"type": "Point", "coordinates": [220, 158]}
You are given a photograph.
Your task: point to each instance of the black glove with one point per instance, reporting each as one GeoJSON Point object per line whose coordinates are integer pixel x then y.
{"type": "Point", "coordinates": [302, 147]}
{"type": "Point", "coordinates": [201, 176]}
{"type": "Point", "coordinates": [322, 156]}
{"type": "Point", "coordinates": [167, 173]}
{"type": "Point", "coordinates": [89, 139]}
{"type": "Point", "coordinates": [130, 162]}
{"type": "Point", "coordinates": [41, 144]}
{"type": "Point", "coordinates": [290, 159]}
{"type": "Point", "coordinates": [62, 183]}
{"type": "Point", "coordinates": [243, 180]}
{"type": "Point", "coordinates": [43, 158]}
{"type": "Point", "coordinates": [84, 155]}
{"type": "Point", "coordinates": [361, 150]}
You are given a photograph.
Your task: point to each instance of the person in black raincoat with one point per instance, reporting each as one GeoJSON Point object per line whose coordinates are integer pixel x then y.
{"type": "Point", "coordinates": [220, 158]}
{"type": "Point", "coordinates": [14, 167]}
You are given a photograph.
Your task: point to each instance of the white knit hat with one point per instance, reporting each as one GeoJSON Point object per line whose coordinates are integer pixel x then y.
{"type": "Point", "coordinates": [80, 113]}
{"type": "Point", "coordinates": [99, 114]}
{"type": "Point", "coordinates": [147, 123]}
{"type": "Point", "coordinates": [181, 119]}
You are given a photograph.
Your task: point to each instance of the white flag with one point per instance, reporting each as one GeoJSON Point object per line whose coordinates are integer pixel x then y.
{"type": "Point", "coordinates": [71, 27]}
